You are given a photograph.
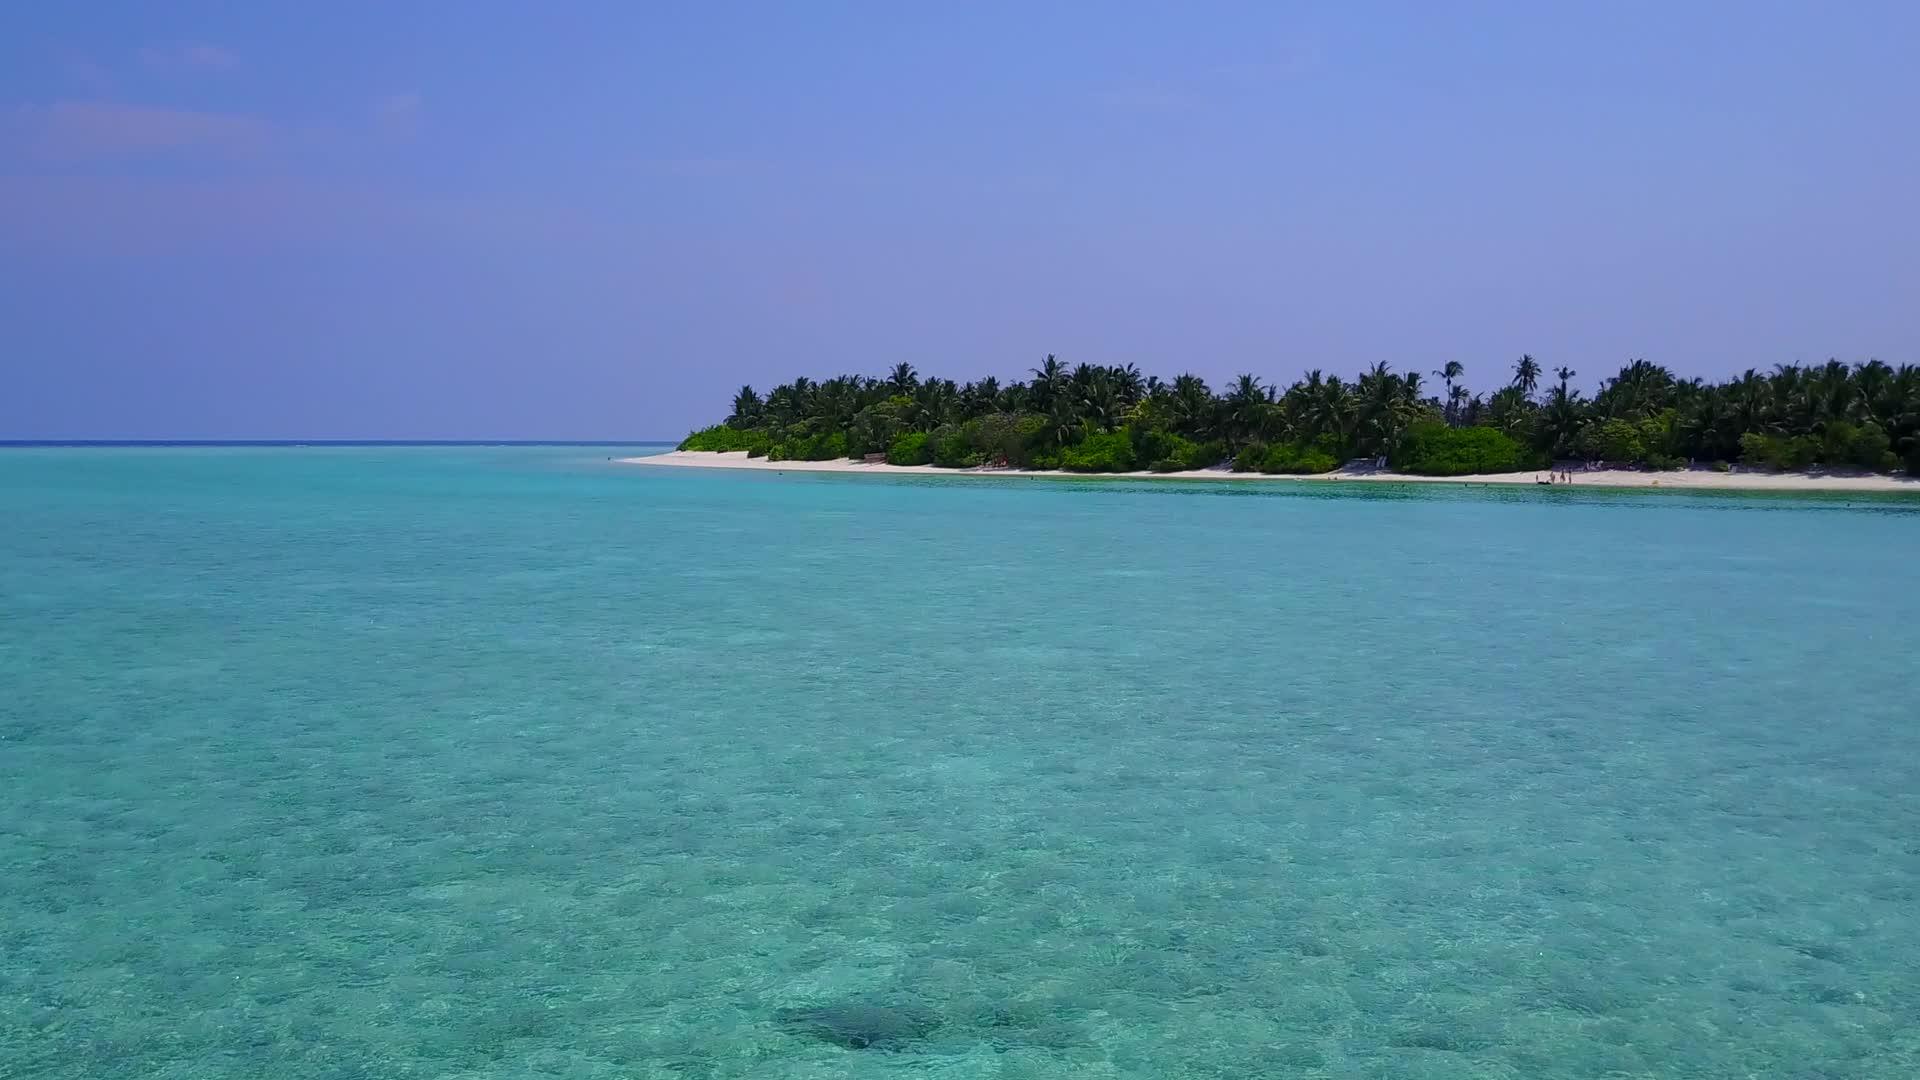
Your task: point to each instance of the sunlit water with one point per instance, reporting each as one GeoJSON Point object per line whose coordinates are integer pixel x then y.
{"type": "Point", "coordinates": [512, 762]}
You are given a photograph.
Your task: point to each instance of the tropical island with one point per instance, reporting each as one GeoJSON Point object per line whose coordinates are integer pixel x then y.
{"type": "Point", "coordinates": [1851, 421]}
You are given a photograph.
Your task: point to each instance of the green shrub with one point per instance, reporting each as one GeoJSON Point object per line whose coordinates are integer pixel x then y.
{"type": "Point", "coordinates": [1799, 452]}
{"type": "Point", "coordinates": [1285, 458]}
{"type": "Point", "coordinates": [1721, 466]}
{"type": "Point", "coordinates": [1099, 451]}
{"type": "Point", "coordinates": [1660, 440]}
{"type": "Point", "coordinates": [1009, 437]}
{"type": "Point", "coordinates": [1866, 445]}
{"type": "Point", "coordinates": [828, 447]}
{"type": "Point", "coordinates": [875, 427]}
{"type": "Point", "coordinates": [910, 449]}
{"type": "Point", "coordinates": [1154, 444]}
{"type": "Point", "coordinates": [1294, 459]}
{"type": "Point", "coordinates": [1836, 442]}
{"type": "Point", "coordinates": [1777, 452]}
{"type": "Point", "coordinates": [1173, 451]}
{"type": "Point", "coordinates": [1431, 449]}
{"type": "Point", "coordinates": [723, 438]}
{"type": "Point", "coordinates": [1869, 446]}
{"type": "Point", "coordinates": [1612, 440]}
{"type": "Point", "coordinates": [953, 447]}
{"type": "Point", "coordinates": [823, 447]}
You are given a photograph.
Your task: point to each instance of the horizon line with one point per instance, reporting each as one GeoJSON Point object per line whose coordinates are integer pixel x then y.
{"type": "Point", "coordinates": [335, 442]}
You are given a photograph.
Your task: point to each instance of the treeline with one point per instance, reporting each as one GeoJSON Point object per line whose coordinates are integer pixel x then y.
{"type": "Point", "coordinates": [1113, 419]}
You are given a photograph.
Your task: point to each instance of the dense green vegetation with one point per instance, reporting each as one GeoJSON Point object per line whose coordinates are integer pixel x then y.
{"type": "Point", "coordinates": [1114, 419]}
{"type": "Point", "coordinates": [1434, 449]}
{"type": "Point", "coordinates": [725, 437]}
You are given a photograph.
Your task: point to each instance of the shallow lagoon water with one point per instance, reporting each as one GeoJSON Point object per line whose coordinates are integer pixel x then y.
{"type": "Point", "coordinates": [491, 762]}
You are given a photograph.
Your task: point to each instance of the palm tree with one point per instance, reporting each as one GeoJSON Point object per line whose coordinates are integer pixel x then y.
{"type": "Point", "coordinates": [1388, 403]}
{"type": "Point", "coordinates": [1448, 373]}
{"type": "Point", "coordinates": [1871, 382]}
{"type": "Point", "coordinates": [1511, 412]}
{"type": "Point", "coordinates": [1062, 421]}
{"type": "Point", "coordinates": [780, 410]}
{"type": "Point", "coordinates": [1193, 406]}
{"type": "Point", "coordinates": [1330, 409]}
{"type": "Point", "coordinates": [1101, 404]}
{"type": "Point", "coordinates": [1474, 410]}
{"type": "Point", "coordinates": [1049, 382]}
{"type": "Point", "coordinates": [1562, 418]}
{"type": "Point", "coordinates": [1640, 390]}
{"type": "Point", "coordinates": [1825, 413]}
{"type": "Point", "coordinates": [747, 408]}
{"type": "Point", "coordinates": [1526, 375]}
{"type": "Point", "coordinates": [1903, 414]}
{"type": "Point", "coordinates": [835, 402]}
{"type": "Point", "coordinates": [1410, 387]}
{"type": "Point", "coordinates": [1792, 409]}
{"type": "Point", "coordinates": [1831, 389]}
{"type": "Point", "coordinates": [935, 403]}
{"type": "Point", "coordinates": [1277, 421]}
{"type": "Point", "coordinates": [904, 380]}
{"type": "Point", "coordinates": [1244, 404]}
{"type": "Point", "coordinates": [1750, 398]}
{"type": "Point", "coordinates": [1083, 376]}
{"type": "Point", "coordinates": [979, 398]}
{"type": "Point", "coordinates": [1709, 423]}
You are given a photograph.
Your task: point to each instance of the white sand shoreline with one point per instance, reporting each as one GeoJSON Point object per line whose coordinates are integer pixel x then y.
{"type": "Point", "coordinates": [1683, 480]}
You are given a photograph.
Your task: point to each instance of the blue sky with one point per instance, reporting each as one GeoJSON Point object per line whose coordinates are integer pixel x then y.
{"type": "Point", "coordinates": [598, 220]}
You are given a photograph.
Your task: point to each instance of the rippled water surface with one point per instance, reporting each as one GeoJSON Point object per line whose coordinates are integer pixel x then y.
{"type": "Point", "coordinates": [509, 762]}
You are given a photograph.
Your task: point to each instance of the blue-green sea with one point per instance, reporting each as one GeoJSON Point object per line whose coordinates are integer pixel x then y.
{"type": "Point", "coordinates": [516, 762]}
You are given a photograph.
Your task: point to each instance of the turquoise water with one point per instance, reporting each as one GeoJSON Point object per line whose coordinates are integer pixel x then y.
{"type": "Point", "coordinates": [514, 762]}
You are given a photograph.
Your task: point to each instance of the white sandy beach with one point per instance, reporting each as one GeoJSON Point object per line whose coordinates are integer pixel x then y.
{"type": "Point", "coordinates": [1684, 480]}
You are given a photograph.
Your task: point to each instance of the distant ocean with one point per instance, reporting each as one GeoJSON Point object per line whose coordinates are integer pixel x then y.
{"type": "Point", "coordinates": [506, 761]}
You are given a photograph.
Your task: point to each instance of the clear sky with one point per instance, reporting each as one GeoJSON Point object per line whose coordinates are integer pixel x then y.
{"type": "Point", "coordinates": [577, 220]}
